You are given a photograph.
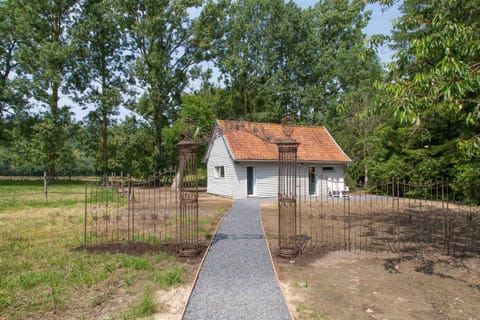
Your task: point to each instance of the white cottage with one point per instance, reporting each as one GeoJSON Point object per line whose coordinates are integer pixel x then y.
{"type": "Point", "coordinates": [240, 164]}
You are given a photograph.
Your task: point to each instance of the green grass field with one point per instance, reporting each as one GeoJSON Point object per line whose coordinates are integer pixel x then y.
{"type": "Point", "coordinates": [25, 194]}
{"type": "Point", "coordinates": [42, 271]}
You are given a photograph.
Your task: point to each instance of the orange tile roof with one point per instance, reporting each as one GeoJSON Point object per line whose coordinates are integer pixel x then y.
{"type": "Point", "coordinates": [244, 142]}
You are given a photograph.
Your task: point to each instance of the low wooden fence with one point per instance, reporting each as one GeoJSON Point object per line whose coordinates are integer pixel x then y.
{"type": "Point", "coordinates": [44, 191]}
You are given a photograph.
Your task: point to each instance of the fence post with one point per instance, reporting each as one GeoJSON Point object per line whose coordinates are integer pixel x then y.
{"type": "Point", "coordinates": [129, 206]}
{"type": "Point", "coordinates": [186, 221]}
{"type": "Point", "coordinates": [287, 197]}
{"type": "Point", "coordinates": [85, 224]}
{"type": "Point", "coordinates": [122, 183]}
{"type": "Point", "coordinates": [45, 185]}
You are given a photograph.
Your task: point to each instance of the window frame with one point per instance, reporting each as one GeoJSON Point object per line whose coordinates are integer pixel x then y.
{"type": "Point", "coordinates": [219, 172]}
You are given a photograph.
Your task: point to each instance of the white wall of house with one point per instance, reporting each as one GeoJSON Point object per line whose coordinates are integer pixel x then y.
{"type": "Point", "coordinates": [233, 183]}
{"type": "Point", "coordinates": [220, 157]}
{"type": "Point", "coordinates": [327, 177]}
{"type": "Point", "coordinates": [266, 179]}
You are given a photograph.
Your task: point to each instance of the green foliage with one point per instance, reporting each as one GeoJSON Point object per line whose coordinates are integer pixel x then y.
{"type": "Point", "coordinates": [436, 68]}
{"type": "Point", "coordinates": [276, 58]}
{"type": "Point", "coordinates": [12, 37]}
{"type": "Point", "coordinates": [429, 97]}
{"type": "Point", "coordinates": [166, 42]}
{"type": "Point", "coordinates": [132, 146]}
{"type": "Point", "coordinates": [47, 59]}
{"type": "Point", "coordinates": [98, 39]}
{"type": "Point", "coordinates": [466, 184]}
{"type": "Point", "coordinates": [196, 109]}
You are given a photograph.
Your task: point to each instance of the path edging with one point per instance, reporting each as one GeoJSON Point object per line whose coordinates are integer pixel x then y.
{"type": "Point", "coordinates": [273, 264]}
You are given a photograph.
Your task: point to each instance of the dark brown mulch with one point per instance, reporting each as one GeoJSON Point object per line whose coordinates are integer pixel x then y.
{"type": "Point", "coordinates": [140, 249]}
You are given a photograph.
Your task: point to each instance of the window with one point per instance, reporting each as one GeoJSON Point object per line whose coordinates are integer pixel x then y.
{"type": "Point", "coordinates": [220, 172]}
{"type": "Point", "coordinates": [328, 169]}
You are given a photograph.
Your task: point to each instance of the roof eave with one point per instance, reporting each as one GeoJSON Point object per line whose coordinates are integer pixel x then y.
{"type": "Point", "coordinates": [298, 160]}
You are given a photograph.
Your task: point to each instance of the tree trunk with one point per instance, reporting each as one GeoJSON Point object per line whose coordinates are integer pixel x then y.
{"type": "Point", "coordinates": [365, 168]}
{"type": "Point", "coordinates": [158, 125]}
{"type": "Point", "coordinates": [178, 175]}
{"type": "Point", "coordinates": [245, 97]}
{"type": "Point", "coordinates": [105, 113]}
{"type": "Point", "coordinates": [55, 137]}
{"type": "Point", "coordinates": [245, 87]}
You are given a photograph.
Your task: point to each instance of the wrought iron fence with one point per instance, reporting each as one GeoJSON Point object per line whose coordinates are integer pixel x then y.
{"type": "Point", "coordinates": [396, 216]}
{"type": "Point", "coordinates": [124, 211]}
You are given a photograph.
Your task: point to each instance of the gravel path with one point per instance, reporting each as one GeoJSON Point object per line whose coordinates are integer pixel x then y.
{"type": "Point", "coordinates": [237, 279]}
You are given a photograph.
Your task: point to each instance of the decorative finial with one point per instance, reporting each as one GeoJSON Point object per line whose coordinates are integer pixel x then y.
{"type": "Point", "coordinates": [188, 128]}
{"type": "Point", "coordinates": [288, 126]}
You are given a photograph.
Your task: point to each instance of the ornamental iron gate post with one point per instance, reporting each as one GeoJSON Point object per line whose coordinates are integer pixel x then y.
{"type": "Point", "coordinates": [187, 212]}
{"type": "Point", "coordinates": [287, 179]}
{"type": "Point", "coordinates": [287, 193]}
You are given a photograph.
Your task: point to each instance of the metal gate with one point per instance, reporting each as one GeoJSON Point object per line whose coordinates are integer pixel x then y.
{"type": "Point", "coordinates": [128, 211]}
{"type": "Point", "coordinates": [161, 211]}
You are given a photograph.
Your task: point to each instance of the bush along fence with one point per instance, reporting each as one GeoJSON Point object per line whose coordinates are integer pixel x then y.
{"type": "Point", "coordinates": [395, 216]}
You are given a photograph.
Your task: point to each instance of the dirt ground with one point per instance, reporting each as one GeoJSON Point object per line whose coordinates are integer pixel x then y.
{"type": "Point", "coordinates": [364, 285]}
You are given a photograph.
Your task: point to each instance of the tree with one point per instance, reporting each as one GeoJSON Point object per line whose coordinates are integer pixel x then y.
{"type": "Point", "coordinates": [436, 71]}
{"type": "Point", "coordinates": [337, 62]}
{"type": "Point", "coordinates": [48, 61]}
{"type": "Point", "coordinates": [277, 58]}
{"type": "Point", "coordinates": [357, 133]}
{"type": "Point", "coordinates": [130, 144]}
{"type": "Point", "coordinates": [196, 109]}
{"type": "Point", "coordinates": [247, 51]}
{"type": "Point", "coordinates": [166, 44]}
{"type": "Point", "coordinates": [99, 41]}
{"type": "Point", "coordinates": [12, 32]}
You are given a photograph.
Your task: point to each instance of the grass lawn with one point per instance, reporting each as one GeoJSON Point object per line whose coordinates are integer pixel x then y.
{"type": "Point", "coordinates": [18, 195]}
{"type": "Point", "coordinates": [44, 275]}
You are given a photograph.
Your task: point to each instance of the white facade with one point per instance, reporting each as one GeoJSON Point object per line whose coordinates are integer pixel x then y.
{"type": "Point", "coordinates": [230, 178]}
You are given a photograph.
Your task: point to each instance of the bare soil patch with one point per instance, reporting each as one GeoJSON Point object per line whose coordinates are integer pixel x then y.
{"type": "Point", "coordinates": [365, 285]}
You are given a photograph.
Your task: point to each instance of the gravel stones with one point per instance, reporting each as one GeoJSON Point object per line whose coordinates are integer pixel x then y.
{"type": "Point", "coordinates": [237, 279]}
